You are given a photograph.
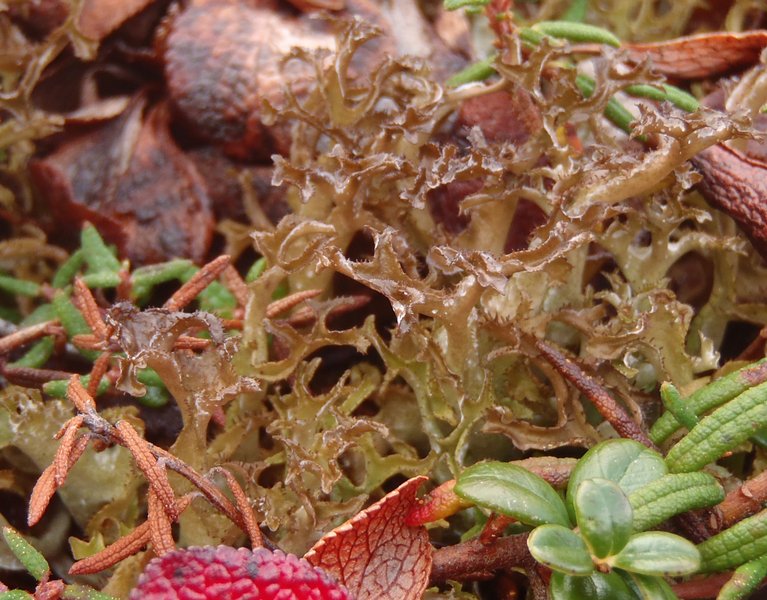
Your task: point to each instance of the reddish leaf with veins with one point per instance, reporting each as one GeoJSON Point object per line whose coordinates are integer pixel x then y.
{"type": "Point", "coordinates": [375, 554]}
{"type": "Point", "coordinates": [703, 55]}
{"type": "Point", "coordinates": [737, 185]}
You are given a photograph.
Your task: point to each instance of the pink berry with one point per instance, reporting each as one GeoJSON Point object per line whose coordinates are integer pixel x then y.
{"type": "Point", "coordinates": [224, 573]}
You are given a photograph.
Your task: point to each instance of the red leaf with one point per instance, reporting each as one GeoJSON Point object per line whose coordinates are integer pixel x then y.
{"type": "Point", "coordinates": [375, 554]}
{"type": "Point", "coordinates": [702, 55]}
{"type": "Point", "coordinates": [736, 184]}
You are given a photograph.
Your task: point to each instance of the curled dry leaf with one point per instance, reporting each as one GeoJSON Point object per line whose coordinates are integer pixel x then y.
{"type": "Point", "coordinates": [375, 554]}
{"type": "Point", "coordinates": [99, 18]}
{"type": "Point", "coordinates": [133, 183]}
{"type": "Point", "coordinates": [737, 185]}
{"type": "Point", "coordinates": [223, 100]}
{"type": "Point", "coordinates": [704, 55]}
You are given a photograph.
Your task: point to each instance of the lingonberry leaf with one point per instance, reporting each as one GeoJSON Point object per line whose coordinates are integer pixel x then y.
{"type": "Point", "coordinates": [375, 554]}
{"type": "Point", "coordinates": [658, 553]}
{"type": "Point", "coordinates": [561, 549]}
{"type": "Point", "coordinates": [597, 586]}
{"type": "Point", "coordinates": [626, 462]}
{"type": "Point", "coordinates": [604, 516]}
{"type": "Point", "coordinates": [222, 572]}
{"type": "Point", "coordinates": [648, 586]}
{"type": "Point", "coordinates": [514, 492]}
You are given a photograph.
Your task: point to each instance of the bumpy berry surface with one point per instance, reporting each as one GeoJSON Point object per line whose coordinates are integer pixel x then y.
{"type": "Point", "coordinates": [224, 573]}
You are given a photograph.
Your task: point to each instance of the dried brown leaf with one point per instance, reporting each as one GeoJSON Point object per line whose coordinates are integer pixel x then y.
{"type": "Point", "coordinates": [46, 484]}
{"type": "Point", "coordinates": [62, 461]}
{"type": "Point", "coordinates": [145, 460]}
{"type": "Point", "coordinates": [703, 55]}
{"type": "Point", "coordinates": [737, 185]}
{"type": "Point", "coordinates": [199, 281]}
{"type": "Point", "coordinates": [160, 534]}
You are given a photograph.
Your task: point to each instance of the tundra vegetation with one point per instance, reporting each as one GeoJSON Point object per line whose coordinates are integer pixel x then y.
{"type": "Point", "coordinates": [383, 300]}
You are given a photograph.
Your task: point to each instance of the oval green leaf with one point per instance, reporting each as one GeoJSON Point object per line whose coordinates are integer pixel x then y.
{"type": "Point", "coordinates": [648, 587]}
{"type": "Point", "coordinates": [512, 491]}
{"type": "Point", "coordinates": [560, 549]}
{"type": "Point", "coordinates": [625, 462]}
{"type": "Point", "coordinates": [597, 586]}
{"type": "Point", "coordinates": [658, 553]}
{"type": "Point", "coordinates": [604, 516]}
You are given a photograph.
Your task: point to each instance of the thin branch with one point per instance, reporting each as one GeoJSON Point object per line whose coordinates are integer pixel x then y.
{"type": "Point", "coordinates": [461, 561]}
{"type": "Point", "coordinates": [613, 412]}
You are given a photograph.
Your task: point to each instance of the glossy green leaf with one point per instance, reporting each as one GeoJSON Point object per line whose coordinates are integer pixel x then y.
{"type": "Point", "coordinates": [625, 462]}
{"type": "Point", "coordinates": [671, 495]}
{"type": "Point", "coordinates": [648, 587]}
{"type": "Point", "coordinates": [604, 516]}
{"type": "Point", "coordinates": [709, 397]}
{"type": "Point", "coordinates": [658, 553]}
{"type": "Point", "coordinates": [743, 542]}
{"type": "Point", "coordinates": [560, 549]}
{"type": "Point", "coordinates": [745, 580]}
{"type": "Point", "coordinates": [724, 429]}
{"type": "Point", "coordinates": [597, 586]}
{"type": "Point", "coordinates": [33, 561]}
{"type": "Point", "coordinates": [512, 491]}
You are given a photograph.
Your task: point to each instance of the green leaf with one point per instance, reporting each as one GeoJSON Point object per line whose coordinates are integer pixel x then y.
{"type": "Point", "coordinates": [83, 592]}
{"type": "Point", "coordinates": [96, 253]}
{"type": "Point", "coordinates": [724, 429]}
{"type": "Point", "coordinates": [671, 495]}
{"type": "Point", "coordinates": [68, 269]}
{"type": "Point", "coordinates": [713, 395]}
{"type": "Point", "coordinates": [604, 516]}
{"type": "Point", "coordinates": [743, 542]}
{"type": "Point", "coordinates": [477, 71]}
{"type": "Point", "coordinates": [456, 4]}
{"type": "Point", "coordinates": [19, 287]}
{"type": "Point", "coordinates": [625, 462]}
{"type": "Point", "coordinates": [15, 595]}
{"type": "Point", "coordinates": [597, 586]}
{"type": "Point", "coordinates": [512, 491]}
{"type": "Point", "coordinates": [560, 549]}
{"type": "Point", "coordinates": [33, 561]}
{"type": "Point", "coordinates": [658, 553]}
{"type": "Point", "coordinates": [577, 32]}
{"type": "Point", "coordinates": [648, 587]}
{"type": "Point", "coordinates": [614, 111]}
{"type": "Point", "coordinates": [745, 580]}
{"type": "Point", "coordinates": [37, 355]}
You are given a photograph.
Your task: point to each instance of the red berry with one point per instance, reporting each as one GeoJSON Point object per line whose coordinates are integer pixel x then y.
{"type": "Point", "coordinates": [224, 573]}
